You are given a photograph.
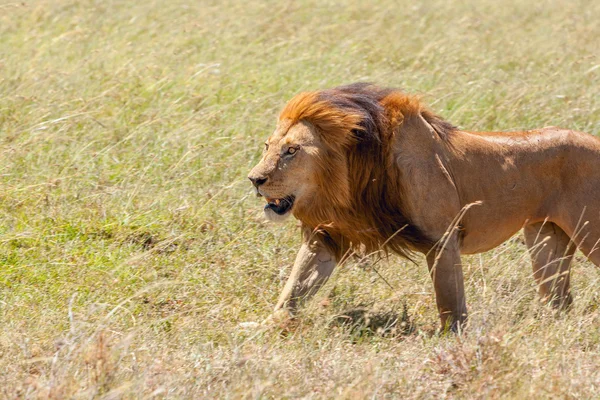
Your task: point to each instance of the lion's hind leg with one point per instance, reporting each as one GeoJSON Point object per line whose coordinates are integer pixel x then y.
{"type": "Point", "coordinates": [551, 252]}
{"type": "Point", "coordinates": [588, 241]}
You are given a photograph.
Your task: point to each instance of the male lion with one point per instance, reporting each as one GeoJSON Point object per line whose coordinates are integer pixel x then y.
{"type": "Point", "coordinates": [366, 168]}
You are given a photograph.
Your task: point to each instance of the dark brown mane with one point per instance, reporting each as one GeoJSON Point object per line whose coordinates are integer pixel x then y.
{"type": "Point", "coordinates": [357, 123]}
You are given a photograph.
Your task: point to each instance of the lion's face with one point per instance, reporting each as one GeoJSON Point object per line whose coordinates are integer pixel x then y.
{"type": "Point", "coordinates": [286, 174]}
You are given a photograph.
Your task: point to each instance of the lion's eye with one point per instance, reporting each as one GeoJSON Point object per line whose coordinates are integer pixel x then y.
{"type": "Point", "coordinates": [291, 150]}
{"type": "Point", "coordinates": [266, 146]}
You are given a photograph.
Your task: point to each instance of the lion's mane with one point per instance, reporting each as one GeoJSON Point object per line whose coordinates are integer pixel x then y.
{"type": "Point", "coordinates": [360, 206]}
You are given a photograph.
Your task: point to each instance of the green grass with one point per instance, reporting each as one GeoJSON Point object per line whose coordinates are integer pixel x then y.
{"type": "Point", "coordinates": [132, 248]}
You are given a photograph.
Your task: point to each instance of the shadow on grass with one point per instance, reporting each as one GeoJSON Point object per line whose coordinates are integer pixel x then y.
{"type": "Point", "coordinates": [362, 322]}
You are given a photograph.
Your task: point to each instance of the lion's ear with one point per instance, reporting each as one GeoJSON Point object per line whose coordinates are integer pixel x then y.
{"type": "Point", "coordinates": [358, 132]}
{"type": "Point", "coordinates": [366, 130]}
{"type": "Point", "coordinates": [361, 135]}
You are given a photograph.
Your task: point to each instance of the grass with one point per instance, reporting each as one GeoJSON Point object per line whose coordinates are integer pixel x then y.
{"type": "Point", "coordinates": [132, 251]}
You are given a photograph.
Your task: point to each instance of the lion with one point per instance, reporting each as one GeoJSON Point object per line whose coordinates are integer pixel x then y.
{"type": "Point", "coordinates": [366, 169]}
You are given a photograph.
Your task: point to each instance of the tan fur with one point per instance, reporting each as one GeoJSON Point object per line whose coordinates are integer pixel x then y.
{"type": "Point", "coordinates": [377, 170]}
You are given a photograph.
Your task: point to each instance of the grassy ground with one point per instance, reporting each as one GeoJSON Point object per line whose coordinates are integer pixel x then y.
{"type": "Point", "coordinates": [131, 247]}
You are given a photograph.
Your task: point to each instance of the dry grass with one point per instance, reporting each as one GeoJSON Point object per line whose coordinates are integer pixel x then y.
{"type": "Point", "coordinates": [131, 248]}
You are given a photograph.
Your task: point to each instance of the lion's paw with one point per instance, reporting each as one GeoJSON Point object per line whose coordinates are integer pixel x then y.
{"type": "Point", "coordinates": [281, 319]}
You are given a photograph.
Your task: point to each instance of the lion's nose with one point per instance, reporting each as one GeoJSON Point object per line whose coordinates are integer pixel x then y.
{"type": "Point", "coordinates": [257, 181]}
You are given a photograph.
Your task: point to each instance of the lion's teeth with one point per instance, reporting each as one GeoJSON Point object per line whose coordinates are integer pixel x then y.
{"type": "Point", "coordinates": [277, 202]}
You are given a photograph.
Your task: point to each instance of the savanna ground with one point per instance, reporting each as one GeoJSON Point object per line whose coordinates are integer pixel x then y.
{"type": "Point", "coordinates": [134, 255]}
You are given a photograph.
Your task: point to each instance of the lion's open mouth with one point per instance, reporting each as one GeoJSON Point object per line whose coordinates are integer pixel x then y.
{"type": "Point", "coordinates": [280, 206]}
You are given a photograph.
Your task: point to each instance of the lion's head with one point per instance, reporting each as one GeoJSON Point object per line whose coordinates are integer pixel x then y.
{"type": "Point", "coordinates": [330, 164]}
{"type": "Point", "coordinates": [287, 175]}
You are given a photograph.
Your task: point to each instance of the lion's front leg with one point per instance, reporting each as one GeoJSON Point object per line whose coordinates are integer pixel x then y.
{"type": "Point", "coordinates": [446, 272]}
{"type": "Point", "coordinates": [313, 266]}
